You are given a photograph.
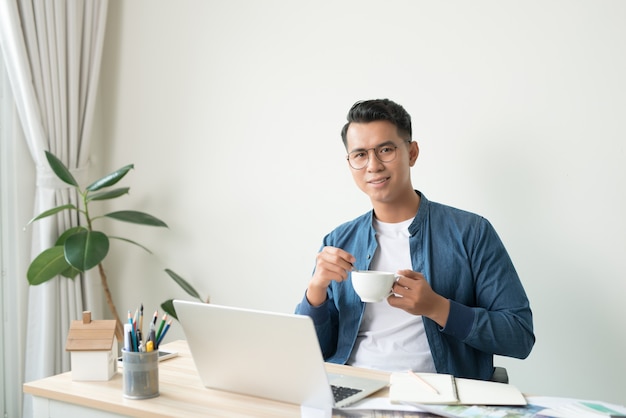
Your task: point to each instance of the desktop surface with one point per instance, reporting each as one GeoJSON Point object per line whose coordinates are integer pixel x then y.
{"type": "Point", "coordinates": [181, 394]}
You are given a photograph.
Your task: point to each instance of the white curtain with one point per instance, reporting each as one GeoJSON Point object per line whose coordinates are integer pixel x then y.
{"type": "Point", "coordinates": [16, 194]}
{"type": "Point", "coordinates": [53, 50]}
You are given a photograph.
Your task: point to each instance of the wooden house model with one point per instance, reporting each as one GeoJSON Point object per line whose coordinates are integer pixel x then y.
{"type": "Point", "coordinates": [93, 349]}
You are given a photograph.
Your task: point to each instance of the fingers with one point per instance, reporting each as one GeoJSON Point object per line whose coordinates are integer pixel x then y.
{"type": "Point", "coordinates": [333, 264]}
{"type": "Point", "coordinates": [408, 290]}
{"type": "Point", "coordinates": [410, 274]}
{"type": "Point", "coordinates": [408, 280]}
{"type": "Point", "coordinates": [413, 294]}
{"type": "Point", "coordinates": [337, 256]}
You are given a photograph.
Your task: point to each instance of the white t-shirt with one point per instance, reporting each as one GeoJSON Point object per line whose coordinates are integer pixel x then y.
{"type": "Point", "coordinates": [389, 338]}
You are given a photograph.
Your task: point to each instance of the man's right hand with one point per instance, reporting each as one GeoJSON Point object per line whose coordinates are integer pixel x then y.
{"type": "Point", "coordinates": [332, 264]}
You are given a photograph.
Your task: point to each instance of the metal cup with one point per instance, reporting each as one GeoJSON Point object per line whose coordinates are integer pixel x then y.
{"type": "Point", "coordinates": [140, 374]}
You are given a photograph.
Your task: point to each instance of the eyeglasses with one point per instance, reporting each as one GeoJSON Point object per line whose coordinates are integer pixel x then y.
{"type": "Point", "coordinates": [384, 153]}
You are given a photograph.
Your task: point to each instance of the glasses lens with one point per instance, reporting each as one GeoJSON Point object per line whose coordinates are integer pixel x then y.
{"type": "Point", "coordinates": [358, 159]}
{"type": "Point", "coordinates": [386, 153]}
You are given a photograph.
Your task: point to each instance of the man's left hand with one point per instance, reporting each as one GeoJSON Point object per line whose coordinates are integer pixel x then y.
{"type": "Point", "coordinates": [412, 293]}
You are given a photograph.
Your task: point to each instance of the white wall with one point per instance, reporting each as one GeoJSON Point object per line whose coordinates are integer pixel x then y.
{"type": "Point", "coordinates": [231, 112]}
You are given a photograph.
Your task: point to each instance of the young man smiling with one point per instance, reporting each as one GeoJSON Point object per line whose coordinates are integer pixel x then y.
{"type": "Point", "coordinates": [458, 300]}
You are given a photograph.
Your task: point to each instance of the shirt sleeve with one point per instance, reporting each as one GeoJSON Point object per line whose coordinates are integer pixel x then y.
{"type": "Point", "coordinates": [501, 320]}
{"type": "Point", "coordinates": [325, 322]}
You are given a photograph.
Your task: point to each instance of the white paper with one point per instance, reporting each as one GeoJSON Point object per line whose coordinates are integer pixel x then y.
{"type": "Point", "coordinates": [575, 408]}
{"type": "Point", "coordinates": [310, 412]}
{"type": "Point", "coordinates": [381, 404]}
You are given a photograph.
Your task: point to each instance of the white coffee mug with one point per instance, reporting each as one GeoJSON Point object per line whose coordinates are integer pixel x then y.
{"type": "Point", "coordinates": [372, 286]}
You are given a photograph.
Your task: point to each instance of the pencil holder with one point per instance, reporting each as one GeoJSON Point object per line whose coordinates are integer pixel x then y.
{"type": "Point", "coordinates": [140, 372]}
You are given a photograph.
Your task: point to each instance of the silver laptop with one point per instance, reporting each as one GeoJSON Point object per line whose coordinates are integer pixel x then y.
{"type": "Point", "coordinates": [265, 354]}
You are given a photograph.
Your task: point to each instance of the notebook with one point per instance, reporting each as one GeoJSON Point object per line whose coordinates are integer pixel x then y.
{"type": "Point", "coordinates": [265, 354]}
{"type": "Point", "coordinates": [432, 388]}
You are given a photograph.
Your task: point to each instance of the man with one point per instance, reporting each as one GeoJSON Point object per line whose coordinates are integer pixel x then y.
{"type": "Point", "coordinates": [458, 300]}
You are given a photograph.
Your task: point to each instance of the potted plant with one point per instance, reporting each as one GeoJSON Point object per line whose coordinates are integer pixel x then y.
{"type": "Point", "coordinates": [81, 248]}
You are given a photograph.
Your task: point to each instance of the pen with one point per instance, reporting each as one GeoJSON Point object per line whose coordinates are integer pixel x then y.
{"type": "Point", "coordinates": [139, 338]}
{"type": "Point", "coordinates": [132, 331]}
{"type": "Point", "coordinates": [423, 382]}
{"type": "Point", "coordinates": [158, 334]}
{"type": "Point", "coordinates": [127, 337]}
{"type": "Point", "coordinates": [163, 333]}
{"type": "Point", "coordinates": [135, 319]}
{"type": "Point", "coordinates": [152, 337]}
{"type": "Point", "coordinates": [154, 318]}
{"type": "Point", "coordinates": [141, 318]}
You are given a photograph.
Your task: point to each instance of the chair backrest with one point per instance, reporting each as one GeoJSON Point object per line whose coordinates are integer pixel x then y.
{"type": "Point", "coordinates": [500, 375]}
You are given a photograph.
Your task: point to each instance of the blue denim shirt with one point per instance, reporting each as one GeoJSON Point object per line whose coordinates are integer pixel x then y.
{"type": "Point", "coordinates": [464, 260]}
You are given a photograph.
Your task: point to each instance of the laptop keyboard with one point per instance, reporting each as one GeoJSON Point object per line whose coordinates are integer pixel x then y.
{"type": "Point", "coordinates": [341, 392]}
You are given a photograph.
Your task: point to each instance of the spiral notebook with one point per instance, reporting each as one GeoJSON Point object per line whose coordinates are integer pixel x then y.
{"type": "Point", "coordinates": [434, 388]}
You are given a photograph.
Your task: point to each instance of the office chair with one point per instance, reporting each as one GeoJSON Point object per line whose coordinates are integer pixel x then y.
{"type": "Point", "coordinates": [500, 375]}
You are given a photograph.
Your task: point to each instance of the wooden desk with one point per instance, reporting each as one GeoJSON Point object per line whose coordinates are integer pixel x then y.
{"type": "Point", "coordinates": [181, 395]}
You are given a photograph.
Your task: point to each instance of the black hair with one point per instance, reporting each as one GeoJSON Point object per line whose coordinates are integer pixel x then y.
{"type": "Point", "coordinates": [379, 109]}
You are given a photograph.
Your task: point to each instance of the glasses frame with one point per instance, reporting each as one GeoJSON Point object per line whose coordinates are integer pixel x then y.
{"type": "Point", "coordinates": [367, 151]}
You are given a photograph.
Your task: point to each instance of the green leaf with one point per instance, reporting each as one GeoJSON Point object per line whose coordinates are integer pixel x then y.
{"type": "Point", "coordinates": [61, 240]}
{"type": "Point", "coordinates": [132, 242]}
{"type": "Point", "coordinates": [183, 283]}
{"type": "Point", "coordinates": [85, 250]}
{"type": "Point", "coordinates": [60, 169]}
{"type": "Point", "coordinates": [168, 307]}
{"type": "Point", "coordinates": [50, 263]}
{"type": "Point", "coordinates": [136, 217]}
{"type": "Point", "coordinates": [110, 179]}
{"type": "Point", "coordinates": [52, 211]}
{"type": "Point", "coordinates": [70, 273]}
{"type": "Point", "coordinates": [111, 194]}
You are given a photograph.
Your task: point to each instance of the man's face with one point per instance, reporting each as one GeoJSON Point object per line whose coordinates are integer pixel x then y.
{"type": "Point", "coordinates": [383, 182]}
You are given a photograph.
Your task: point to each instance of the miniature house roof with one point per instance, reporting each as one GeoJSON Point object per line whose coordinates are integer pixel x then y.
{"type": "Point", "coordinates": [88, 335]}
